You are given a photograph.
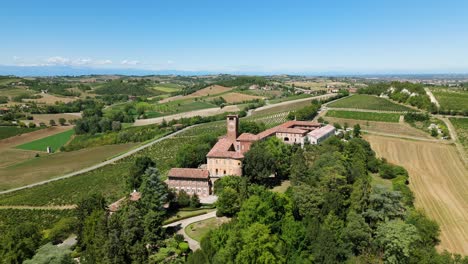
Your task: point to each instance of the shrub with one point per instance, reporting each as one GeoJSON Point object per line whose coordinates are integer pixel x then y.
{"type": "Point", "coordinates": [183, 199]}
{"type": "Point", "coordinates": [31, 125]}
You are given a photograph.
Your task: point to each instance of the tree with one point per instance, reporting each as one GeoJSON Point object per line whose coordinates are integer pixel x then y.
{"type": "Point", "coordinates": [228, 203]}
{"type": "Point", "coordinates": [194, 201]}
{"type": "Point", "coordinates": [62, 121]}
{"type": "Point", "coordinates": [84, 209]}
{"type": "Point", "coordinates": [259, 246]}
{"type": "Point", "coordinates": [31, 125]}
{"type": "Point", "coordinates": [183, 199]}
{"type": "Point", "coordinates": [52, 122]}
{"type": "Point", "coordinates": [51, 254]}
{"type": "Point", "coordinates": [258, 164]}
{"type": "Point", "coordinates": [192, 155]}
{"type": "Point", "coordinates": [357, 234]}
{"type": "Point", "coordinates": [154, 192]}
{"type": "Point", "coordinates": [395, 239]}
{"type": "Point", "coordinates": [357, 131]}
{"type": "Point", "coordinates": [19, 243]}
{"type": "Point", "coordinates": [116, 126]}
{"type": "Point", "coordinates": [139, 167]}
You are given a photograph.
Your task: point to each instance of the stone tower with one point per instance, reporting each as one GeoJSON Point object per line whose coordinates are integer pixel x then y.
{"type": "Point", "coordinates": [232, 127]}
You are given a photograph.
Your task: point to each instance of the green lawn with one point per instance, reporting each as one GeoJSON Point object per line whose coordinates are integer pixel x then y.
{"type": "Point", "coordinates": [10, 131]}
{"type": "Point", "coordinates": [381, 117]}
{"type": "Point", "coordinates": [199, 229]}
{"type": "Point", "coordinates": [361, 101]}
{"type": "Point", "coordinates": [54, 141]}
{"type": "Point", "coordinates": [451, 100]}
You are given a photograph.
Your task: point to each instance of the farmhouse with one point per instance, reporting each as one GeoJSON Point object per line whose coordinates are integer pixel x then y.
{"type": "Point", "coordinates": [192, 181]}
{"type": "Point", "coordinates": [226, 156]}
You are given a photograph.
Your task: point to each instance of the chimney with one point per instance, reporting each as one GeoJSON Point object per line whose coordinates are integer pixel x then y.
{"type": "Point", "coordinates": [232, 126]}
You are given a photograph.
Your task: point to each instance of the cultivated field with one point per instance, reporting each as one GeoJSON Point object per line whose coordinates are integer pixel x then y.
{"type": "Point", "coordinates": [45, 118]}
{"type": "Point", "coordinates": [54, 141]}
{"type": "Point", "coordinates": [49, 166]}
{"type": "Point", "coordinates": [439, 181]}
{"type": "Point", "coordinates": [167, 87]}
{"type": "Point", "coordinates": [451, 99]}
{"type": "Point", "coordinates": [211, 90]}
{"type": "Point", "coordinates": [461, 128]}
{"type": "Point", "coordinates": [11, 156]}
{"type": "Point", "coordinates": [11, 131]}
{"type": "Point", "coordinates": [24, 138]}
{"type": "Point", "coordinates": [51, 99]}
{"type": "Point", "coordinates": [361, 101]}
{"type": "Point", "coordinates": [239, 97]}
{"type": "Point", "coordinates": [382, 117]}
{"type": "Point", "coordinates": [397, 129]}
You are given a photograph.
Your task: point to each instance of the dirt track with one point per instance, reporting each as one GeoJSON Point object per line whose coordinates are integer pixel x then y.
{"type": "Point", "coordinates": [439, 181]}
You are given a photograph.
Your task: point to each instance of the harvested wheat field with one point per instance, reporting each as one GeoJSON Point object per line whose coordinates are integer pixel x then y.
{"type": "Point", "coordinates": [211, 90]}
{"type": "Point", "coordinates": [45, 118]}
{"type": "Point", "coordinates": [401, 129]}
{"type": "Point", "coordinates": [238, 97]}
{"type": "Point", "coordinates": [439, 181]}
{"type": "Point", "coordinates": [51, 99]}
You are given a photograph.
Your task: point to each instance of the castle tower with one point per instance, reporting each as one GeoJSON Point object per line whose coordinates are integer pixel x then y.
{"type": "Point", "coordinates": [232, 126]}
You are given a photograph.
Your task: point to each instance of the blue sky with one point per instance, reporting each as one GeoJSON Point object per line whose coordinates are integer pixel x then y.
{"type": "Point", "coordinates": [229, 36]}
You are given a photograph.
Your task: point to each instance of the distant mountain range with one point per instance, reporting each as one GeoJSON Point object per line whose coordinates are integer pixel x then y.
{"type": "Point", "coordinates": [24, 71]}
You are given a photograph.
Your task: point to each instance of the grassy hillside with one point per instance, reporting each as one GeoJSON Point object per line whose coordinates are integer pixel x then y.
{"type": "Point", "coordinates": [451, 100]}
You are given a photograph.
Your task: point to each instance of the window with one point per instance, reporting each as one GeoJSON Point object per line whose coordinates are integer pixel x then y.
{"type": "Point", "coordinates": [216, 172]}
{"type": "Point", "coordinates": [286, 139]}
{"type": "Point", "coordinates": [224, 172]}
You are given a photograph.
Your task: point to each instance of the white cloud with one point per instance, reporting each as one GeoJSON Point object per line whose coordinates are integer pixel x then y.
{"type": "Point", "coordinates": [103, 62]}
{"type": "Point", "coordinates": [57, 60]}
{"type": "Point", "coordinates": [129, 62]}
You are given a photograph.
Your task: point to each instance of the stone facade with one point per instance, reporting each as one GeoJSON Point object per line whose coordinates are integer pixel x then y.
{"type": "Point", "coordinates": [192, 181]}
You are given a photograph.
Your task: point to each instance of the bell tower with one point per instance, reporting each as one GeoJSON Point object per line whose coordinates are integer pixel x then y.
{"type": "Point", "coordinates": [232, 126]}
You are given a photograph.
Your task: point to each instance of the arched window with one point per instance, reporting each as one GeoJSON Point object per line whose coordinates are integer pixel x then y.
{"type": "Point", "coordinates": [286, 139]}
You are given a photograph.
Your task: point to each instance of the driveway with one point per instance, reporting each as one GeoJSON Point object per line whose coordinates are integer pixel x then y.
{"type": "Point", "coordinates": [193, 244]}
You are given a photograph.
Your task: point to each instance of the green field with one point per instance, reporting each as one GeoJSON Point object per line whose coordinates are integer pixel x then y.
{"type": "Point", "coordinates": [451, 100]}
{"type": "Point", "coordinates": [461, 127]}
{"type": "Point", "coordinates": [168, 87]}
{"type": "Point", "coordinates": [54, 141]}
{"type": "Point", "coordinates": [369, 116]}
{"type": "Point", "coordinates": [43, 218]}
{"type": "Point", "coordinates": [361, 101]}
{"type": "Point", "coordinates": [10, 131]}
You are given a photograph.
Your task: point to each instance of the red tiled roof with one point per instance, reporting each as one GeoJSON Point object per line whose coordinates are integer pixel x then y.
{"type": "Point", "coordinates": [289, 124]}
{"type": "Point", "coordinates": [189, 173]}
{"type": "Point", "coordinates": [247, 137]}
{"type": "Point", "coordinates": [291, 130]}
{"type": "Point", "coordinates": [221, 150]}
{"type": "Point", "coordinates": [322, 131]}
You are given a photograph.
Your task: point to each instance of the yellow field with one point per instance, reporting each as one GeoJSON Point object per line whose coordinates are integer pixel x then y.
{"type": "Point", "coordinates": [402, 129]}
{"type": "Point", "coordinates": [238, 97]}
{"type": "Point", "coordinates": [38, 118]}
{"type": "Point", "coordinates": [51, 99]}
{"type": "Point", "coordinates": [439, 181]}
{"type": "Point", "coordinates": [211, 90]}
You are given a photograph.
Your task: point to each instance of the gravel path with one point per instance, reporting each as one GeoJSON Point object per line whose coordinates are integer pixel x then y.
{"type": "Point", "coordinates": [194, 245]}
{"type": "Point", "coordinates": [432, 97]}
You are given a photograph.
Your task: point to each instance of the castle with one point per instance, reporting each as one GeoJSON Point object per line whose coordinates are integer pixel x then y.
{"type": "Point", "coordinates": [226, 156]}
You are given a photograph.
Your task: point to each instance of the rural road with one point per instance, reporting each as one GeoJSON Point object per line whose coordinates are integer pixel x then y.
{"type": "Point", "coordinates": [432, 97]}
{"type": "Point", "coordinates": [99, 165]}
{"type": "Point", "coordinates": [194, 245]}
